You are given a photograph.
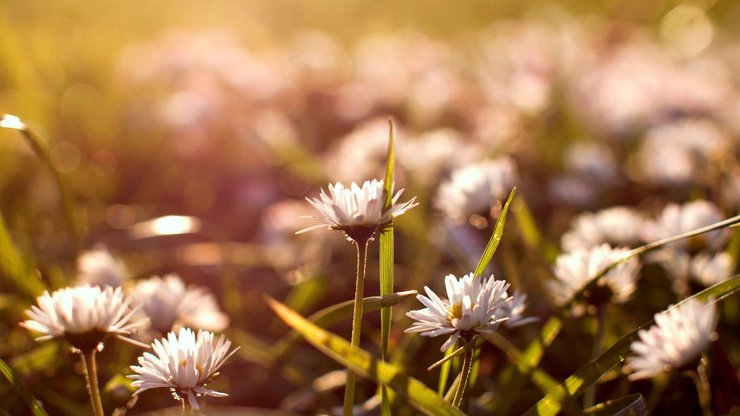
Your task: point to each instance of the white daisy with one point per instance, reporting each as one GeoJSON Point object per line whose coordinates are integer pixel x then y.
{"type": "Point", "coordinates": [98, 267]}
{"type": "Point", "coordinates": [167, 303]}
{"type": "Point", "coordinates": [514, 307]}
{"type": "Point", "coordinates": [678, 219]}
{"type": "Point", "coordinates": [618, 226]}
{"type": "Point", "coordinates": [679, 335]}
{"type": "Point", "coordinates": [473, 305]}
{"type": "Point", "coordinates": [83, 315]}
{"type": "Point", "coordinates": [184, 363]}
{"type": "Point", "coordinates": [357, 208]}
{"type": "Point", "coordinates": [703, 268]}
{"type": "Point", "coordinates": [473, 189]}
{"type": "Point", "coordinates": [575, 269]}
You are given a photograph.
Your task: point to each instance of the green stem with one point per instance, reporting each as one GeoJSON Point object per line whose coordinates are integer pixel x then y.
{"type": "Point", "coordinates": [349, 391]}
{"type": "Point", "coordinates": [464, 376]}
{"type": "Point", "coordinates": [91, 379]}
{"type": "Point", "coordinates": [589, 395]}
{"type": "Point", "coordinates": [701, 381]}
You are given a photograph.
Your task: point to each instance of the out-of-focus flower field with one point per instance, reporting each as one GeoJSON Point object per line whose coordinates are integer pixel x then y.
{"type": "Point", "coordinates": [168, 148]}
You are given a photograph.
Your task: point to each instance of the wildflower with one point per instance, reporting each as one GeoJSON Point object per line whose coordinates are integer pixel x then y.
{"type": "Point", "coordinates": [575, 269]}
{"type": "Point", "coordinates": [473, 306]}
{"type": "Point", "coordinates": [678, 219]}
{"type": "Point", "coordinates": [679, 335]}
{"type": "Point", "coordinates": [98, 267]}
{"type": "Point", "coordinates": [619, 226]}
{"type": "Point", "coordinates": [83, 315]}
{"type": "Point", "coordinates": [471, 190]}
{"type": "Point", "coordinates": [703, 269]}
{"type": "Point", "coordinates": [185, 363]}
{"type": "Point", "coordinates": [167, 302]}
{"type": "Point", "coordinates": [358, 211]}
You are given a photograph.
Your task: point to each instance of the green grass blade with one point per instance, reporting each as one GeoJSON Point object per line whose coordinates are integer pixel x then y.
{"type": "Point", "coordinates": [590, 373]}
{"type": "Point", "coordinates": [337, 313]}
{"type": "Point", "coordinates": [498, 232]}
{"type": "Point", "coordinates": [530, 232]}
{"type": "Point", "coordinates": [27, 396]}
{"type": "Point", "coordinates": [361, 362]}
{"type": "Point", "coordinates": [386, 264]}
{"type": "Point", "coordinates": [14, 267]}
{"type": "Point", "coordinates": [632, 405]}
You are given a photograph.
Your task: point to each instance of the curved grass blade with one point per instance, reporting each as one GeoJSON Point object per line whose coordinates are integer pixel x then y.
{"type": "Point", "coordinates": [590, 373]}
{"type": "Point", "coordinates": [25, 394]}
{"type": "Point", "coordinates": [15, 268]}
{"type": "Point", "coordinates": [386, 264]}
{"type": "Point", "coordinates": [337, 313]}
{"type": "Point", "coordinates": [632, 405]}
{"type": "Point", "coordinates": [42, 152]}
{"type": "Point", "coordinates": [360, 361]}
{"type": "Point", "coordinates": [498, 232]}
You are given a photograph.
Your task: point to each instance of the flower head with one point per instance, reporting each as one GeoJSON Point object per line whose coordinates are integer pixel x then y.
{"type": "Point", "coordinates": [679, 335]}
{"type": "Point", "coordinates": [473, 305]}
{"type": "Point", "coordinates": [678, 219]}
{"type": "Point", "coordinates": [472, 189]}
{"type": "Point", "coordinates": [98, 267]}
{"type": "Point", "coordinates": [83, 315]}
{"type": "Point", "coordinates": [184, 362]}
{"type": "Point", "coordinates": [357, 208]}
{"type": "Point", "coordinates": [619, 226]}
{"type": "Point", "coordinates": [575, 269]}
{"type": "Point", "coordinates": [167, 302]}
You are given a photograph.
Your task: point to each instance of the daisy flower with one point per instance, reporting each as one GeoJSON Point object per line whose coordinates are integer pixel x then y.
{"type": "Point", "coordinates": [703, 269]}
{"type": "Point", "coordinates": [472, 189]}
{"type": "Point", "coordinates": [98, 267]}
{"type": "Point", "coordinates": [358, 211]}
{"type": "Point", "coordinates": [679, 335]}
{"type": "Point", "coordinates": [473, 306]}
{"type": "Point", "coordinates": [575, 269]}
{"type": "Point", "coordinates": [185, 363]}
{"type": "Point", "coordinates": [678, 219]}
{"type": "Point", "coordinates": [168, 302]}
{"type": "Point", "coordinates": [618, 226]}
{"type": "Point", "coordinates": [84, 315]}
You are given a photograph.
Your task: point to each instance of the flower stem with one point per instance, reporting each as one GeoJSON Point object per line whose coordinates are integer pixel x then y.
{"type": "Point", "coordinates": [590, 394]}
{"type": "Point", "coordinates": [349, 391]}
{"type": "Point", "coordinates": [91, 379]}
{"type": "Point", "coordinates": [701, 381]}
{"type": "Point", "coordinates": [464, 376]}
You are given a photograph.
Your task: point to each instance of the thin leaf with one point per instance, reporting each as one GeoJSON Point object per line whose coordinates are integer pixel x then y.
{"type": "Point", "coordinates": [591, 372]}
{"type": "Point", "coordinates": [386, 265]}
{"type": "Point", "coordinates": [15, 268]}
{"type": "Point", "coordinates": [498, 232]}
{"type": "Point", "coordinates": [361, 362]}
{"type": "Point", "coordinates": [530, 232]}
{"type": "Point", "coordinates": [337, 313]}
{"type": "Point", "coordinates": [632, 405]}
{"type": "Point", "coordinates": [25, 394]}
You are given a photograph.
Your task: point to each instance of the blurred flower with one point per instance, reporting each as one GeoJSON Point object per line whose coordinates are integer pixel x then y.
{"type": "Point", "coordinates": [98, 267]}
{"type": "Point", "coordinates": [679, 335]}
{"type": "Point", "coordinates": [618, 226]}
{"type": "Point", "coordinates": [434, 153]}
{"type": "Point", "coordinates": [184, 363]}
{"type": "Point", "coordinates": [472, 190]}
{"type": "Point", "coordinates": [359, 154]}
{"type": "Point", "coordinates": [167, 303]}
{"type": "Point", "coordinates": [474, 305]}
{"type": "Point", "coordinates": [575, 269]}
{"type": "Point", "coordinates": [702, 268]}
{"type": "Point", "coordinates": [514, 307]}
{"type": "Point", "coordinates": [678, 219]}
{"type": "Point", "coordinates": [357, 209]}
{"type": "Point", "coordinates": [592, 160]}
{"type": "Point", "coordinates": [682, 152]}
{"type": "Point", "coordinates": [84, 315]}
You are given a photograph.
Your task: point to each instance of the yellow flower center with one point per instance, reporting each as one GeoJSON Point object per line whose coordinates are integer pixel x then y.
{"type": "Point", "coordinates": [455, 311]}
{"type": "Point", "coordinates": [184, 363]}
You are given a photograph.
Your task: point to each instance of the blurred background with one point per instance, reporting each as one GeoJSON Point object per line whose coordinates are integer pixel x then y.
{"type": "Point", "coordinates": [228, 113]}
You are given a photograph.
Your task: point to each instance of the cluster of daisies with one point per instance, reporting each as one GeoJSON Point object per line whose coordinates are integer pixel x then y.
{"type": "Point", "coordinates": [100, 307]}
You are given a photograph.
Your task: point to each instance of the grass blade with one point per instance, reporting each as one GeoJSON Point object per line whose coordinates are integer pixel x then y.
{"type": "Point", "coordinates": [386, 264]}
{"type": "Point", "coordinates": [27, 396]}
{"type": "Point", "coordinates": [498, 232]}
{"type": "Point", "coordinates": [590, 373]}
{"type": "Point", "coordinates": [632, 405]}
{"type": "Point", "coordinates": [15, 268]}
{"type": "Point", "coordinates": [361, 362]}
